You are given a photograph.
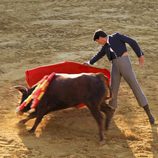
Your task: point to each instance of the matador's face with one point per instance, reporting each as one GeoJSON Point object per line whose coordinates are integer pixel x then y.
{"type": "Point", "coordinates": [101, 40]}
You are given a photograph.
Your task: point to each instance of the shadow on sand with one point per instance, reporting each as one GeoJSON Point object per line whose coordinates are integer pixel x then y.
{"type": "Point", "coordinates": [73, 133]}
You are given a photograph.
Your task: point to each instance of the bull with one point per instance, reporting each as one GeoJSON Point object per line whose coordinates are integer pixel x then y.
{"type": "Point", "coordinates": [69, 90]}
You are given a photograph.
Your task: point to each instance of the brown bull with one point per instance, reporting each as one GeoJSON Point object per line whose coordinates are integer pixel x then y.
{"type": "Point", "coordinates": [68, 90]}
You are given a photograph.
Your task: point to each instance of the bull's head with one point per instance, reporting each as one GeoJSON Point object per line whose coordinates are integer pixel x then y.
{"type": "Point", "coordinates": [25, 93]}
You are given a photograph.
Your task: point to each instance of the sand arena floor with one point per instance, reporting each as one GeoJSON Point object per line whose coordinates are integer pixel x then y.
{"type": "Point", "coordinates": [41, 32]}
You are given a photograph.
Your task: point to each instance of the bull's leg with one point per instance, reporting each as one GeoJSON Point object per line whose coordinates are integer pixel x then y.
{"type": "Point", "coordinates": [31, 116]}
{"type": "Point", "coordinates": [37, 121]}
{"type": "Point", "coordinates": [42, 109]}
{"type": "Point", "coordinates": [109, 114]}
{"type": "Point", "coordinates": [42, 112]}
{"type": "Point", "coordinates": [100, 121]}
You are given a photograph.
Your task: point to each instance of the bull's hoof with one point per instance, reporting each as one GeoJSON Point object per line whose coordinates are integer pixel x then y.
{"type": "Point", "coordinates": [102, 142]}
{"type": "Point", "coordinates": [31, 131]}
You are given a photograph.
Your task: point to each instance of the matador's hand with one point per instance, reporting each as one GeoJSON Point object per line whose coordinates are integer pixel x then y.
{"type": "Point", "coordinates": [141, 60]}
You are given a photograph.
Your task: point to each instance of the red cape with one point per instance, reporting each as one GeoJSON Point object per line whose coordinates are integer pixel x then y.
{"type": "Point", "coordinates": [36, 74]}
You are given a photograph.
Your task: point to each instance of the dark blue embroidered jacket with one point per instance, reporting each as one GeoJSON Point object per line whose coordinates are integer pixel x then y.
{"type": "Point", "coordinates": [116, 46]}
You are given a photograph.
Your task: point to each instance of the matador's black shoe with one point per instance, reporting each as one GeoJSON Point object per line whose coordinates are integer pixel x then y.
{"type": "Point", "coordinates": [149, 114]}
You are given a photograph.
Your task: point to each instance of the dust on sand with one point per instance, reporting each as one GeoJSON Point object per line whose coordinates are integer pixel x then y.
{"type": "Point", "coordinates": [37, 32]}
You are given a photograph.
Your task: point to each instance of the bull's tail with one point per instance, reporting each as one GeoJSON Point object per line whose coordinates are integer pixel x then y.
{"type": "Point", "coordinates": [107, 85]}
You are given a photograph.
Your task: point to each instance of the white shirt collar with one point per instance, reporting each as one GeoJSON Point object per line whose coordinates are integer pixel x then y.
{"type": "Point", "coordinates": [108, 39]}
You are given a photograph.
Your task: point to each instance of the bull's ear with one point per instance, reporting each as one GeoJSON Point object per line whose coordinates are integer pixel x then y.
{"type": "Point", "coordinates": [22, 89]}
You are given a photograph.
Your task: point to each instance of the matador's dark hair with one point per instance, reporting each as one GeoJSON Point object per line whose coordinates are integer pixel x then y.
{"type": "Point", "coordinates": [99, 33]}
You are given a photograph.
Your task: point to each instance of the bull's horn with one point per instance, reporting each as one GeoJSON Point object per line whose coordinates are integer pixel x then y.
{"type": "Point", "coordinates": [22, 89]}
